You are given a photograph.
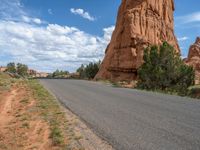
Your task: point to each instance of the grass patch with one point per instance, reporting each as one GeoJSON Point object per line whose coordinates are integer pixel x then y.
{"type": "Point", "coordinates": [46, 107]}
{"type": "Point", "coordinates": [25, 101]}
{"type": "Point", "coordinates": [6, 81]}
{"type": "Point", "coordinates": [50, 111]}
{"type": "Point", "coordinates": [24, 118]}
{"type": "Point", "coordinates": [56, 136]}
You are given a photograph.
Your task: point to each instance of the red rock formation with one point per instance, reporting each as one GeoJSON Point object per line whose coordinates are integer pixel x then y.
{"type": "Point", "coordinates": [194, 59]}
{"type": "Point", "coordinates": [140, 23]}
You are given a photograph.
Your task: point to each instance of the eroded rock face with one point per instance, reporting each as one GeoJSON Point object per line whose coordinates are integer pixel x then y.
{"type": "Point", "coordinates": [194, 59]}
{"type": "Point", "coordinates": [140, 23]}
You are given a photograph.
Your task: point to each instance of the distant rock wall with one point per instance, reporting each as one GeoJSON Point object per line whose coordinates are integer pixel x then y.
{"type": "Point", "coordinates": [140, 23]}
{"type": "Point", "coordinates": [194, 59]}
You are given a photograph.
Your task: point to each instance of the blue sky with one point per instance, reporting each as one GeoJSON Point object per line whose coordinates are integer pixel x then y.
{"type": "Point", "coordinates": [63, 34]}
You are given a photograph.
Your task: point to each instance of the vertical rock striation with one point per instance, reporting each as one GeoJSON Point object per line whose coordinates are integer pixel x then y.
{"type": "Point", "coordinates": [140, 23]}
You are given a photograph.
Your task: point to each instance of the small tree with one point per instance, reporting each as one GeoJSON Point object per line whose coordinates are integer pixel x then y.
{"type": "Point", "coordinates": [81, 71]}
{"type": "Point", "coordinates": [89, 71]}
{"type": "Point", "coordinates": [55, 74]}
{"type": "Point", "coordinates": [59, 74]}
{"type": "Point", "coordinates": [164, 70]}
{"type": "Point", "coordinates": [22, 69]}
{"type": "Point", "coordinates": [11, 68]}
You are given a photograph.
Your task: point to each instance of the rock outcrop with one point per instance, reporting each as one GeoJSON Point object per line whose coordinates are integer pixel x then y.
{"type": "Point", "coordinates": [194, 59]}
{"type": "Point", "coordinates": [140, 23]}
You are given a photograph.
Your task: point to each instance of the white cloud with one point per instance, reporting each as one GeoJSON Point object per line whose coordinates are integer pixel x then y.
{"type": "Point", "coordinates": [51, 47]}
{"type": "Point", "coordinates": [11, 10]}
{"type": "Point", "coordinates": [27, 39]}
{"type": "Point", "coordinates": [27, 19]}
{"type": "Point", "coordinates": [189, 18]}
{"type": "Point", "coordinates": [108, 32]}
{"type": "Point", "coordinates": [37, 20]}
{"type": "Point", "coordinates": [183, 38]}
{"type": "Point", "coordinates": [82, 13]}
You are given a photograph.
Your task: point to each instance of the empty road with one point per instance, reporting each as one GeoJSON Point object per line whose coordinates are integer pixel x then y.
{"type": "Point", "coordinates": [131, 119]}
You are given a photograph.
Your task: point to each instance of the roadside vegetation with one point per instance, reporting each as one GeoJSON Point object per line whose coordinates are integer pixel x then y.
{"type": "Point", "coordinates": [35, 119]}
{"type": "Point", "coordinates": [164, 70]}
{"type": "Point", "coordinates": [89, 71]}
{"type": "Point", "coordinates": [50, 111]}
{"type": "Point", "coordinates": [59, 74]}
{"type": "Point", "coordinates": [6, 82]}
{"type": "Point", "coordinates": [17, 69]}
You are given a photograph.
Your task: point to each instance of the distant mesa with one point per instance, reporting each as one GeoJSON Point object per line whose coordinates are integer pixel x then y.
{"type": "Point", "coordinates": [194, 59]}
{"type": "Point", "coordinates": [31, 72]}
{"type": "Point", "coordinates": [37, 74]}
{"type": "Point", "coordinates": [140, 23]}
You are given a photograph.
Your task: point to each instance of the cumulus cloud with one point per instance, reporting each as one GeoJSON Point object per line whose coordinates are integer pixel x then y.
{"type": "Point", "coordinates": [51, 47]}
{"type": "Point", "coordinates": [46, 47]}
{"type": "Point", "coordinates": [82, 13]}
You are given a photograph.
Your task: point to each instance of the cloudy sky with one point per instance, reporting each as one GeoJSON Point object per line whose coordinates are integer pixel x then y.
{"type": "Point", "coordinates": [63, 34]}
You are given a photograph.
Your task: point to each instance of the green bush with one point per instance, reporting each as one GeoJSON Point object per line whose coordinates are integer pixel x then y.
{"type": "Point", "coordinates": [89, 71]}
{"type": "Point", "coordinates": [56, 136]}
{"type": "Point", "coordinates": [20, 69]}
{"type": "Point", "coordinates": [11, 68]}
{"type": "Point", "coordinates": [59, 74]}
{"type": "Point", "coordinates": [164, 70]}
{"type": "Point", "coordinates": [81, 71]}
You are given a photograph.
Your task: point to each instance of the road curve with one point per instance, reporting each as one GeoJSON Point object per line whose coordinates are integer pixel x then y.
{"type": "Point", "coordinates": [131, 119]}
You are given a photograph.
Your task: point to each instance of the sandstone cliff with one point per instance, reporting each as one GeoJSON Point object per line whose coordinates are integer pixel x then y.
{"type": "Point", "coordinates": [194, 59]}
{"type": "Point", "coordinates": [140, 23]}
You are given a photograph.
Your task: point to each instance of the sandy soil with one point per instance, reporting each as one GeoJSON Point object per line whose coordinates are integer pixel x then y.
{"type": "Point", "coordinates": [20, 125]}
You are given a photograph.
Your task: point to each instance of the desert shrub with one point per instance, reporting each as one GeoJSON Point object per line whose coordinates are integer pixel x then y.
{"type": "Point", "coordinates": [59, 74]}
{"type": "Point", "coordinates": [163, 69]}
{"type": "Point", "coordinates": [22, 69]}
{"type": "Point", "coordinates": [11, 67]}
{"type": "Point", "coordinates": [17, 70]}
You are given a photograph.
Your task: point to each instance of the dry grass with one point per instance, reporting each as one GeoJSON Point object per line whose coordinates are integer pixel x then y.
{"type": "Point", "coordinates": [62, 132]}
{"type": "Point", "coordinates": [6, 82]}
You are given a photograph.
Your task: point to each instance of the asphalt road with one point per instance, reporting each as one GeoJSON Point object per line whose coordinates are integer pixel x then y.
{"type": "Point", "coordinates": [131, 119]}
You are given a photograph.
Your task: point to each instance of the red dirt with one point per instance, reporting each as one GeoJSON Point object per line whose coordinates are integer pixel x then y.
{"type": "Point", "coordinates": [21, 125]}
